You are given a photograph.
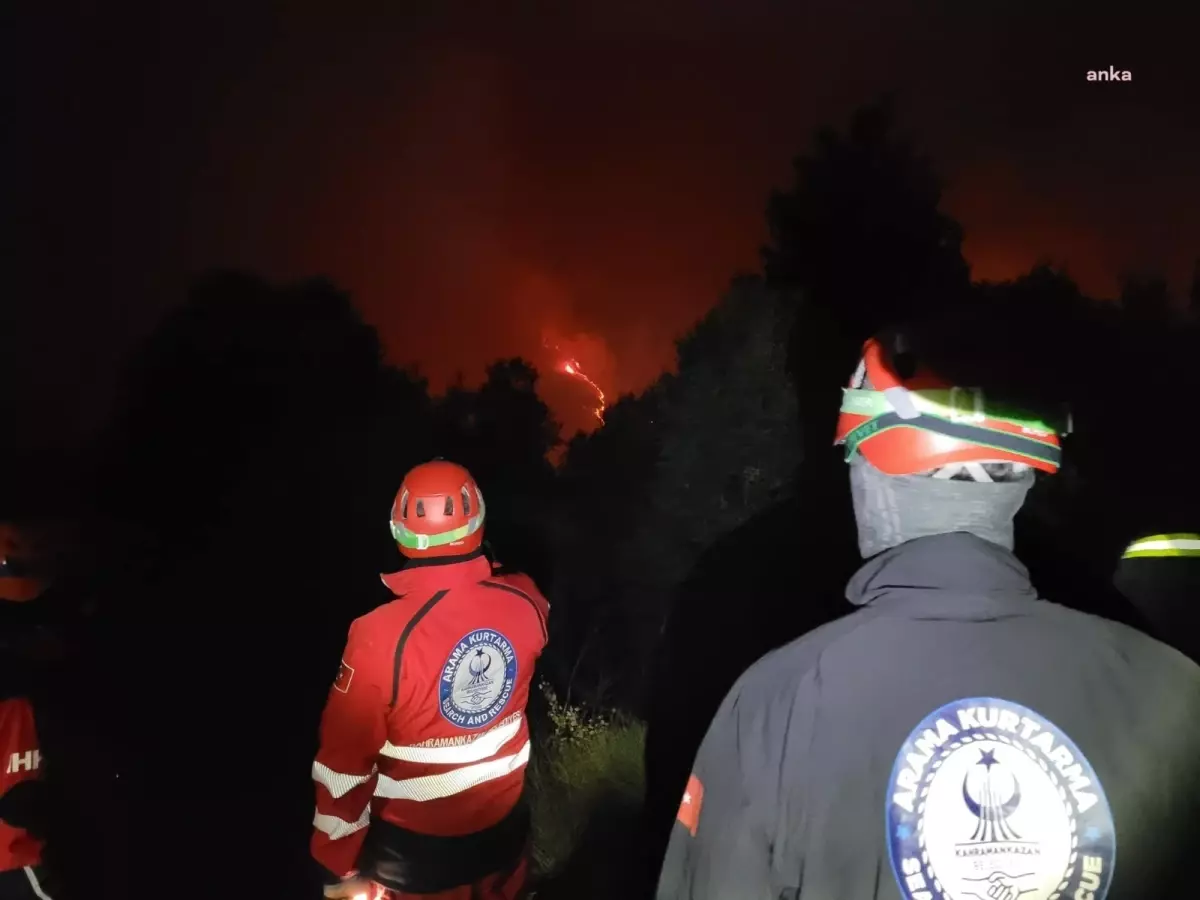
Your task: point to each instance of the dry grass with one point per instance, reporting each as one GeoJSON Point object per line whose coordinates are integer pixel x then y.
{"type": "Point", "coordinates": [585, 786]}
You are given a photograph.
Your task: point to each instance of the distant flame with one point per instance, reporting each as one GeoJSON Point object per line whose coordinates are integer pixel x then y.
{"type": "Point", "coordinates": [571, 367]}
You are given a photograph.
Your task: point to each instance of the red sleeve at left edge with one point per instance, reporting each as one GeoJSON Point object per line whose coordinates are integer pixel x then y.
{"type": "Point", "coordinates": [353, 729]}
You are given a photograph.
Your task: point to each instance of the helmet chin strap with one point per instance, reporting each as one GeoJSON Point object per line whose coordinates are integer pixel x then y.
{"type": "Point", "coordinates": [975, 471]}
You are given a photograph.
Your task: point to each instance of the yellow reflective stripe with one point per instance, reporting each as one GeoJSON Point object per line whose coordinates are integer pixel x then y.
{"type": "Point", "coordinates": [1164, 545]}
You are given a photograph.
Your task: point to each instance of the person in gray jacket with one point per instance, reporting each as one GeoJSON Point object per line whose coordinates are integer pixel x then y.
{"type": "Point", "coordinates": [955, 738]}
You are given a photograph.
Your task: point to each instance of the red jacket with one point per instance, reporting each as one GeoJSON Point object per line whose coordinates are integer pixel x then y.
{"type": "Point", "coordinates": [21, 760]}
{"type": "Point", "coordinates": [424, 739]}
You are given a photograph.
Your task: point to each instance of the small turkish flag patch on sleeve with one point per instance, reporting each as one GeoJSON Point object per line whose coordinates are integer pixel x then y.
{"type": "Point", "coordinates": [344, 676]}
{"type": "Point", "coordinates": [689, 809]}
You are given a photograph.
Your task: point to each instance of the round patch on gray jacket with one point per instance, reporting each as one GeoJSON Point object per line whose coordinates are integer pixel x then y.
{"type": "Point", "coordinates": [988, 799]}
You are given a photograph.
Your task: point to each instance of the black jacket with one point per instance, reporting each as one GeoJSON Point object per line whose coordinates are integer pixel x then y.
{"type": "Point", "coordinates": [744, 598]}
{"type": "Point", "coordinates": [1166, 591]}
{"type": "Point", "coordinates": [956, 737]}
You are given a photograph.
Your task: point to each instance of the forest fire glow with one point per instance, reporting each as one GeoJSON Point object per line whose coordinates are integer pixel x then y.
{"type": "Point", "coordinates": [571, 367]}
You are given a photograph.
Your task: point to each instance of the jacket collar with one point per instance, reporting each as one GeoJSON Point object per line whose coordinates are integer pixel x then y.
{"type": "Point", "coordinates": [944, 564]}
{"type": "Point", "coordinates": [438, 573]}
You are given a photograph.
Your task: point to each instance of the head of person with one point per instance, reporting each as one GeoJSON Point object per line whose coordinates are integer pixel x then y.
{"type": "Point", "coordinates": [22, 576]}
{"type": "Point", "coordinates": [438, 512]}
{"type": "Point", "coordinates": [928, 457]}
{"type": "Point", "coordinates": [1159, 574]}
{"type": "Point", "coordinates": [25, 632]}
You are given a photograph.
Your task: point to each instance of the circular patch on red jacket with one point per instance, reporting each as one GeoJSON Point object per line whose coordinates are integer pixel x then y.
{"type": "Point", "coordinates": [478, 679]}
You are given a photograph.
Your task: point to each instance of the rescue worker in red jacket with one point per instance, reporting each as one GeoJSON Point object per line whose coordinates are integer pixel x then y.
{"type": "Point", "coordinates": [424, 739]}
{"type": "Point", "coordinates": [23, 801]}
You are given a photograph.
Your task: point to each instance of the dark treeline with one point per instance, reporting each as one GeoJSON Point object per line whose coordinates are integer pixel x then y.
{"type": "Point", "coordinates": [232, 519]}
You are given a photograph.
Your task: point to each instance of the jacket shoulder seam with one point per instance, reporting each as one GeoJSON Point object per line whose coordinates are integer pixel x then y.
{"type": "Point", "coordinates": [520, 593]}
{"type": "Point", "coordinates": [404, 636]}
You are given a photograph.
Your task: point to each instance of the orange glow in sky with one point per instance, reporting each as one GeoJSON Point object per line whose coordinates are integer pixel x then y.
{"type": "Point", "coordinates": [465, 199]}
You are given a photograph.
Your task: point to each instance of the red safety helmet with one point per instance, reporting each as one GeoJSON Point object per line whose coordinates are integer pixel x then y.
{"type": "Point", "coordinates": [905, 424]}
{"type": "Point", "coordinates": [20, 576]}
{"type": "Point", "coordinates": [438, 511]}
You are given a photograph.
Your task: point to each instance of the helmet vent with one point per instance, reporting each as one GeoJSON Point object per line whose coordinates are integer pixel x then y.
{"type": "Point", "coordinates": [466, 501]}
{"type": "Point", "coordinates": [448, 509]}
{"type": "Point", "coordinates": [420, 509]}
{"type": "Point", "coordinates": [982, 472]}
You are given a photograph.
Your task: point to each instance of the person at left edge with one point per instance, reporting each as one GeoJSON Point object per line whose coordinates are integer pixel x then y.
{"type": "Point", "coordinates": [424, 739]}
{"type": "Point", "coordinates": [24, 801]}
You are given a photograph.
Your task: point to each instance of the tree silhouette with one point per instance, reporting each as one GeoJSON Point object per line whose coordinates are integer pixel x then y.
{"type": "Point", "coordinates": [261, 441]}
{"type": "Point", "coordinates": [860, 242]}
{"type": "Point", "coordinates": [603, 488]}
{"type": "Point", "coordinates": [727, 525]}
{"type": "Point", "coordinates": [1145, 296]}
{"type": "Point", "coordinates": [515, 425]}
{"type": "Point", "coordinates": [1040, 318]}
{"type": "Point", "coordinates": [730, 436]}
{"type": "Point", "coordinates": [700, 453]}
{"type": "Point", "coordinates": [504, 433]}
{"type": "Point", "coordinates": [860, 231]}
{"type": "Point", "coordinates": [240, 361]}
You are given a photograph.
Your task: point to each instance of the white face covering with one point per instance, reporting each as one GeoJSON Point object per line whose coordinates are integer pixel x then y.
{"type": "Point", "coordinates": [893, 509]}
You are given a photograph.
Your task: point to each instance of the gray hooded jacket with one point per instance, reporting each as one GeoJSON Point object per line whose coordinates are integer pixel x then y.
{"type": "Point", "coordinates": [956, 737]}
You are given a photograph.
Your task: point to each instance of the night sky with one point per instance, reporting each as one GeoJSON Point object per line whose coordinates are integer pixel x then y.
{"type": "Point", "coordinates": [587, 174]}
